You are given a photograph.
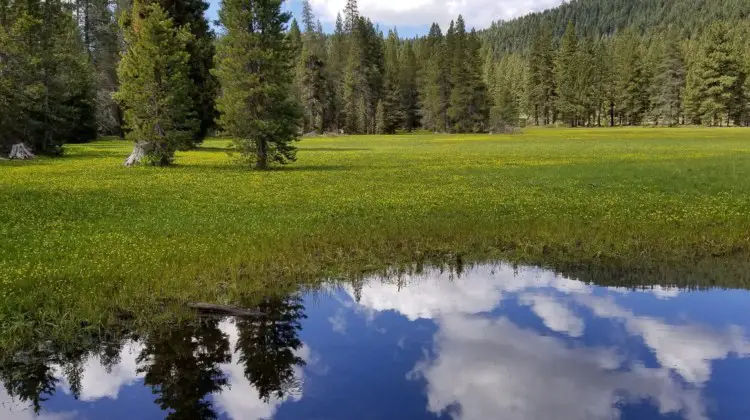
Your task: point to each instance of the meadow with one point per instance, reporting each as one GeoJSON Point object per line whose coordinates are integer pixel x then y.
{"type": "Point", "coordinates": [82, 231]}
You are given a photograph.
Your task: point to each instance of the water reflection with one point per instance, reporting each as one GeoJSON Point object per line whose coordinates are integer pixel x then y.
{"type": "Point", "coordinates": [496, 342]}
{"type": "Point", "coordinates": [184, 364]}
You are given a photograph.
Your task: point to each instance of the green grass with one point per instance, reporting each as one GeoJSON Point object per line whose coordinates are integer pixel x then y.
{"type": "Point", "coordinates": [81, 230]}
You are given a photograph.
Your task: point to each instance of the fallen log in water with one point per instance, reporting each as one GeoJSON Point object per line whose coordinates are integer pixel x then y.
{"type": "Point", "coordinates": [224, 309]}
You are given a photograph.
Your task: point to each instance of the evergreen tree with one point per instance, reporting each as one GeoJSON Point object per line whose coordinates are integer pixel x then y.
{"type": "Point", "coordinates": [351, 16]}
{"type": "Point", "coordinates": [717, 86]}
{"type": "Point", "coordinates": [294, 39]}
{"type": "Point", "coordinates": [436, 83]}
{"type": "Point", "coordinates": [155, 88]}
{"type": "Point", "coordinates": [603, 80]}
{"type": "Point", "coordinates": [540, 88]}
{"type": "Point", "coordinates": [254, 65]}
{"type": "Point", "coordinates": [390, 105]}
{"type": "Point", "coordinates": [190, 14]}
{"type": "Point", "coordinates": [468, 98]}
{"type": "Point", "coordinates": [354, 81]}
{"type": "Point", "coordinates": [98, 22]}
{"type": "Point", "coordinates": [408, 87]}
{"type": "Point", "coordinates": [669, 85]}
{"type": "Point", "coordinates": [336, 63]}
{"type": "Point", "coordinates": [45, 78]}
{"type": "Point", "coordinates": [566, 74]}
{"type": "Point", "coordinates": [504, 114]}
{"type": "Point", "coordinates": [631, 79]}
{"type": "Point", "coordinates": [311, 73]}
{"type": "Point", "coordinates": [380, 120]}
{"type": "Point", "coordinates": [587, 83]}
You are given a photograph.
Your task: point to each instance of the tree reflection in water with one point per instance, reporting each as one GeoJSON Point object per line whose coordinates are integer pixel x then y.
{"type": "Point", "coordinates": [180, 359]}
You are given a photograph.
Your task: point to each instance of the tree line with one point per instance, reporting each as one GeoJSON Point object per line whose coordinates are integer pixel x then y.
{"type": "Point", "coordinates": [155, 72]}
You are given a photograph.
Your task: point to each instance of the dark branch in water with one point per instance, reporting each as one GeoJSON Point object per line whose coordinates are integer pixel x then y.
{"type": "Point", "coordinates": [224, 309]}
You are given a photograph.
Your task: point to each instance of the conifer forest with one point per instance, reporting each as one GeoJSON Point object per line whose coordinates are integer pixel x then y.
{"type": "Point", "coordinates": [159, 73]}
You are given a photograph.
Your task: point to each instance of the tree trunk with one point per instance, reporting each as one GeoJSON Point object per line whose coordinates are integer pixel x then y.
{"type": "Point", "coordinates": [20, 151]}
{"type": "Point", "coordinates": [262, 156]}
{"type": "Point", "coordinates": [140, 150]}
{"type": "Point", "coordinates": [611, 114]}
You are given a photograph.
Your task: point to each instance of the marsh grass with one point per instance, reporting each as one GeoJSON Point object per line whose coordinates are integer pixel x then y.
{"type": "Point", "coordinates": [81, 232]}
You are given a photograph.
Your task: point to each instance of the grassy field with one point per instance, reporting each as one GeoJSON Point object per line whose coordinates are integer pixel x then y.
{"type": "Point", "coordinates": [82, 230]}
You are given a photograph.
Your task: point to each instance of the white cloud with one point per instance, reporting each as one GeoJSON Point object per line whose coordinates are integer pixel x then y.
{"type": "Point", "coordinates": [11, 409]}
{"type": "Point", "coordinates": [494, 369]}
{"type": "Point", "coordinates": [482, 288]}
{"type": "Point", "coordinates": [491, 368]}
{"type": "Point", "coordinates": [688, 349]}
{"type": "Point", "coordinates": [97, 383]}
{"type": "Point", "coordinates": [338, 322]}
{"type": "Point", "coordinates": [556, 315]}
{"type": "Point", "coordinates": [477, 13]}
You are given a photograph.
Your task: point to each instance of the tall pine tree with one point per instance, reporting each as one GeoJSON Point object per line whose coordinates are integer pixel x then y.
{"type": "Point", "coordinates": [717, 86]}
{"type": "Point", "coordinates": [669, 85]}
{"type": "Point", "coordinates": [540, 88]}
{"type": "Point", "coordinates": [255, 68]}
{"type": "Point", "coordinates": [155, 87]}
{"type": "Point", "coordinates": [566, 74]}
{"type": "Point", "coordinates": [45, 78]}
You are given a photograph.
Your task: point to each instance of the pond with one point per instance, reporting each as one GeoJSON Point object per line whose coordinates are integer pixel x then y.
{"type": "Point", "coordinates": [492, 342]}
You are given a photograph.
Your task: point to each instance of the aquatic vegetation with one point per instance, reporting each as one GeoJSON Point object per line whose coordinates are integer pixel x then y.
{"type": "Point", "coordinates": [82, 231]}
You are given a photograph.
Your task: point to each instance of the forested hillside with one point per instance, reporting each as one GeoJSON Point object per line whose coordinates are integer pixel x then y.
{"type": "Point", "coordinates": [69, 71]}
{"type": "Point", "coordinates": [605, 17]}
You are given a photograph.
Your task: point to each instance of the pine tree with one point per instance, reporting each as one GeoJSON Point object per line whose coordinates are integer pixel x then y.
{"type": "Point", "coordinates": [435, 91]}
{"type": "Point", "coordinates": [255, 68]}
{"type": "Point", "coordinates": [668, 85]}
{"type": "Point", "coordinates": [294, 39]}
{"type": "Point", "coordinates": [587, 96]}
{"type": "Point", "coordinates": [336, 63]}
{"type": "Point", "coordinates": [504, 114]}
{"type": "Point", "coordinates": [45, 78]}
{"type": "Point", "coordinates": [506, 83]}
{"type": "Point", "coordinates": [201, 51]}
{"type": "Point", "coordinates": [391, 102]}
{"type": "Point", "coordinates": [380, 120]}
{"type": "Point", "coordinates": [631, 79]}
{"type": "Point", "coordinates": [458, 102]}
{"type": "Point", "coordinates": [540, 88]}
{"type": "Point", "coordinates": [717, 86]}
{"type": "Point", "coordinates": [351, 16]}
{"type": "Point", "coordinates": [468, 98]}
{"type": "Point", "coordinates": [97, 20]}
{"type": "Point", "coordinates": [603, 80]}
{"type": "Point", "coordinates": [155, 87]}
{"type": "Point", "coordinates": [566, 74]}
{"type": "Point", "coordinates": [408, 87]}
{"type": "Point", "coordinates": [354, 83]}
{"type": "Point", "coordinates": [312, 83]}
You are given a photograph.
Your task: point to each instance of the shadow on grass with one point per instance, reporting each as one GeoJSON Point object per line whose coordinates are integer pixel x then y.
{"type": "Point", "coordinates": [302, 149]}
{"type": "Point", "coordinates": [212, 149]}
{"type": "Point", "coordinates": [249, 169]}
{"type": "Point", "coordinates": [311, 168]}
{"type": "Point", "coordinates": [333, 149]}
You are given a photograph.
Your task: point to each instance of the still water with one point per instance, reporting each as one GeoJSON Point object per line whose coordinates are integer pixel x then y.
{"type": "Point", "coordinates": [492, 343]}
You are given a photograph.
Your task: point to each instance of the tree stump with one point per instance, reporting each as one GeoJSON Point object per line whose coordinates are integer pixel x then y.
{"type": "Point", "coordinates": [140, 150]}
{"type": "Point", "coordinates": [20, 151]}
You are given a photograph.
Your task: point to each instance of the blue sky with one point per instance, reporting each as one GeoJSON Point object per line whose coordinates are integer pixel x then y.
{"type": "Point", "coordinates": [413, 17]}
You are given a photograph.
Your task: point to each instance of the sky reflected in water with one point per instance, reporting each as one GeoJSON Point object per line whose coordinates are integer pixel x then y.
{"type": "Point", "coordinates": [493, 343]}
